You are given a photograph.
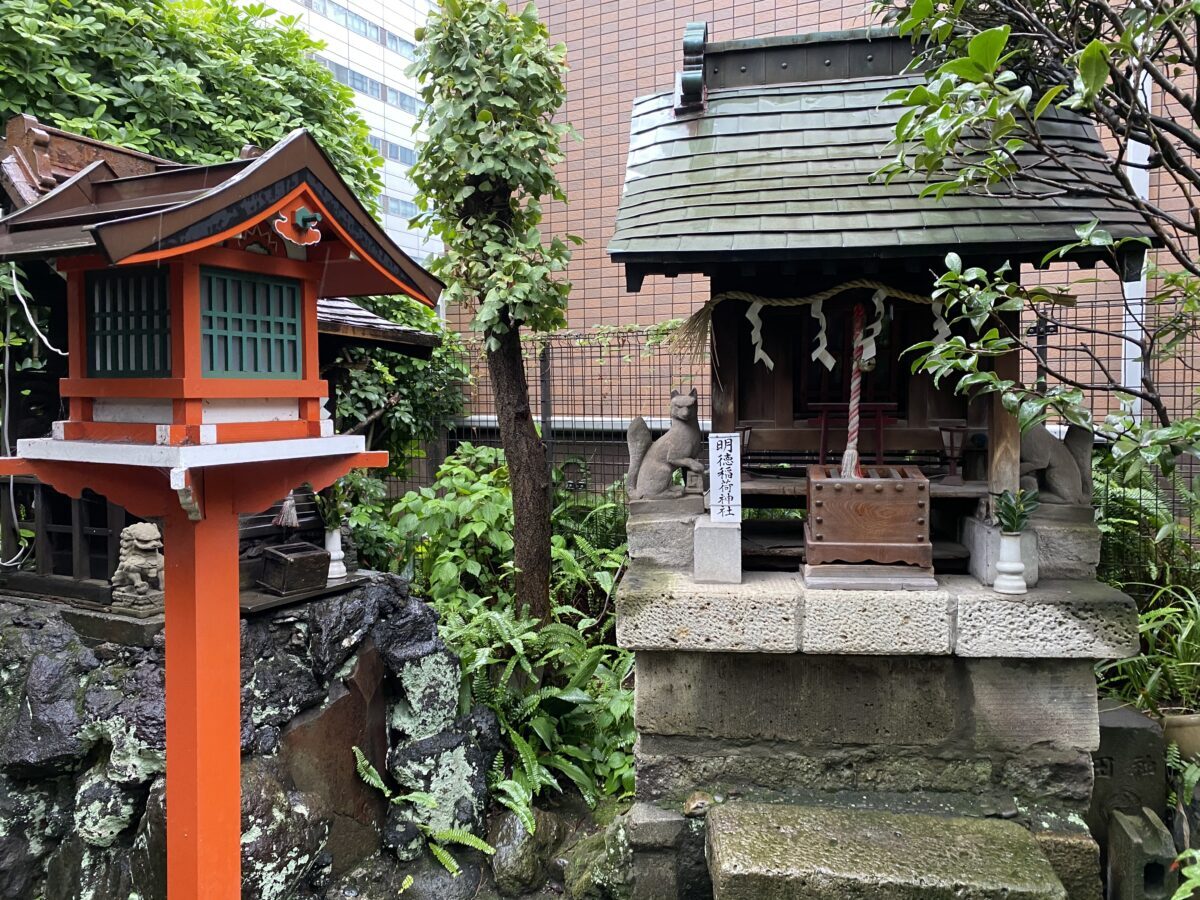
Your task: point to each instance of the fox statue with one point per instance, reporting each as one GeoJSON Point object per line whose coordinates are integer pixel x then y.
{"type": "Point", "coordinates": [653, 463]}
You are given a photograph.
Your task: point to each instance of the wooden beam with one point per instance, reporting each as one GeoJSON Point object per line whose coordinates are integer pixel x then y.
{"type": "Point", "coordinates": [1004, 435]}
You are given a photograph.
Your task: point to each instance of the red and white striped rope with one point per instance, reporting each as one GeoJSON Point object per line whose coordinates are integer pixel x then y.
{"type": "Point", "coordinates": [850, 465]}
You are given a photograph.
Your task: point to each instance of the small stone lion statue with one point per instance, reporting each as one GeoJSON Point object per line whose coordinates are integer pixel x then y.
{"type": "Point", "coordinates": [139, 575]}
{"type": "Point", "coordinates": [653, 463]}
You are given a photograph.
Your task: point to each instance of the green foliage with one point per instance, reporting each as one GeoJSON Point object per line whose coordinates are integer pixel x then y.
{"type": "Point", "coordinates": [1142, 540]}
{"type": "Point", "coordinates": [436, 839]}
{"type": "Point", "coordinates": [1165, 676]}
{"type": "Point", "coordinates": [1013, 509]}
{"type": "Point", "coordinates": [192, 80]}
{"type": "Point", "coordinates": [559, 689]}
{"type": "Point", "coordinates": [395, 400]}
{"type": "Point", "coordinates": [1189, 875]}
{"type": "Point", "coordinates": [493, 85]}
{"type": "Point", "coordinates": [979, 123]}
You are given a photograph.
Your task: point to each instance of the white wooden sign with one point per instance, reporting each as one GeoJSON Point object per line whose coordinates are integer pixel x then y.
{"type": "Point", "coordinates": [725, 477]}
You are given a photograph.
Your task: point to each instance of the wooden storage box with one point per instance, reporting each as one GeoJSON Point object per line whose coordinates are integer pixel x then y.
{"type": "Point", "coordinates": [294, 568]}
{"type": "Point", "coordinates": [882, 517]}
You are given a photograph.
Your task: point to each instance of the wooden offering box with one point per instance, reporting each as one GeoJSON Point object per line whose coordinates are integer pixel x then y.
{"type": "Point", "coordinates": [880, 518]}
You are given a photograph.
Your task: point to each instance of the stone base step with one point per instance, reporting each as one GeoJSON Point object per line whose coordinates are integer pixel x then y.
{"type": "Point", "coordinates": [762, 851]}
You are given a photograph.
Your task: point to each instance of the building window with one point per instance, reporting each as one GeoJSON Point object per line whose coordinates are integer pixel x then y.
{"type": "Point", "coordinates": [128, 324]}
{"type": "Point", "coordinates": [361, 25]}
{"type": "Point", "coordinates": [365, 85]}
{"type": "Point", "coordinates": [250, 325]}
{"type": "Point", "coordinates": [397, 207]}
{"type": "Point", "coordinates": [407, 49]}
{"type": "Point", "coordinates": [392, 151]}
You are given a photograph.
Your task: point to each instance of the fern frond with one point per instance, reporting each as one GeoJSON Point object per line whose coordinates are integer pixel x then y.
{"type": "Point", "coordinates": [463, 837]}
{"type": "Point", "coordinates": [517, 798]}
{"type": "Point", "coordinates": [417, 798]}
{"type": "Point", "coordinates": [368, 773]}
{"type": "Point", "coordinates": [442, 855]}
{"type": "Point", "coordinates": [408, 882]}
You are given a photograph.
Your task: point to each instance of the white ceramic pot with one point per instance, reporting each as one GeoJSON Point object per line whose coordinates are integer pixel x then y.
{"type": "Point", "coordinates": [1010, 570]}
{"type": "Point", "coordinates": [337, 565]}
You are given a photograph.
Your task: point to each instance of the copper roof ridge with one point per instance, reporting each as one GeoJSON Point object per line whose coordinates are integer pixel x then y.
{"type": "Point", "coordinates": [181, 169]}
{"type": "Point", "coordinates": [83, 176]}
{"type": "Point", "coordinates": [96, 142]}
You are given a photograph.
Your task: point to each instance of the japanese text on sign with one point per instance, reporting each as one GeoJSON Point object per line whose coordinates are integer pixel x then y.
{"type": "Point", "coordinates": [725, 481]}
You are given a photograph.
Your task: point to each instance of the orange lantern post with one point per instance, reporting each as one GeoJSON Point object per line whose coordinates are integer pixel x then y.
{"type": "Point", "coordinates": [194, 396]}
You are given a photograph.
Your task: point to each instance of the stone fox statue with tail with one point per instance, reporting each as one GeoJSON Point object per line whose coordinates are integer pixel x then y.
{"type": "Point", "coordinates": [652, 463]}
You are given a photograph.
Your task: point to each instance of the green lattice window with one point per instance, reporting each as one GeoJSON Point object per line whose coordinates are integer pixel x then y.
{"type": "Point", "coordinates": [250, 325]}
{"type": "Point", "coordinates": [128, 323]}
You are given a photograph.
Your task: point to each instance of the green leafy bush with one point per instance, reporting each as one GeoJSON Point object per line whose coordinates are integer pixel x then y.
{"type": "Point", "coordinates": [191, 80]}
{"type": "Point", "coordinates": [1165, 675]}
{"type": "Point", "coordinates": [560, 690]}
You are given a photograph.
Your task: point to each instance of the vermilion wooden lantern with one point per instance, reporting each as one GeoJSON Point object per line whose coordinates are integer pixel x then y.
{"type": "Point", "coordinates": [194, 395]}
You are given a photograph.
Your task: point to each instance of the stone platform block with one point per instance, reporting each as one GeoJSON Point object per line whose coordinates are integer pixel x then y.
{"type": "Point", "coordinates": [809, 699]}
{"type": "Point", "coordinates": [661, 609]}
{"type": "Point", "coordinates": [1067, 549]}
{"type": "Point", "coordinates": [661, 532]}
{"type": "Point", "coordinates": [1061, 619]}
{"type": "Point", "coordinates": [717, 553]}
{"type": "Point", "coordinates": [1019, 705]}
{"type": "Point", "coordinates": [784, 851]}
{"type": "Point", "coordinates": [878, 622]}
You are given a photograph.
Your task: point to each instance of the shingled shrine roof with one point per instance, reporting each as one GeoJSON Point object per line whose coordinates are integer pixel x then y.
{"type": "Point", "coordinates": [131, 207]}
{"type": "Point", "coordinates": [766, 148]}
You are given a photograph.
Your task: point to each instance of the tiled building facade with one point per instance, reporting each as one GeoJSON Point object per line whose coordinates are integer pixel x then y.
{"type": "Point", "coordinates": [619, 50]}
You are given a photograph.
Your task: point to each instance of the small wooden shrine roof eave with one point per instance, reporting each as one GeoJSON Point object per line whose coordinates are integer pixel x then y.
{"type": "Point", "coordinates": [771, 156]}
{"type": "Point", "coordinates": [169, 210]}
{"type": "Point", "coordinates": [40, 158]}
{"type": "Point", "coordinates": [341, 320]}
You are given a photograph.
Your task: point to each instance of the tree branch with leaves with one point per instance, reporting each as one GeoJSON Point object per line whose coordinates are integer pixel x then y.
{"type": "Point", "coordinates": [999, 75]}
{"type": "Point", "coordinates": [493, 85]}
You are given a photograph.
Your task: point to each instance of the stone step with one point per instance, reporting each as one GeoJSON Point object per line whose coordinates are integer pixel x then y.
{"type": "Point", "coordinates": [763, 851]}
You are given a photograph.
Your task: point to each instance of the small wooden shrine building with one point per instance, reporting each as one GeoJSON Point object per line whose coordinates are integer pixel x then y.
{"type": "Point", "coordinates": [757, 171]}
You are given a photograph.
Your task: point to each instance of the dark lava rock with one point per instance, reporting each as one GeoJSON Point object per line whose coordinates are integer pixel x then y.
{"type": "Point", "coordinates": [277, 687]}
{"type": "Point", "coordinates": [104, 809]}
{"type": "Point", "coordinates": [148, 858]}
{"type": "Point", "coordinates": [428, 695]}
{"type": "Point", "coordinates": [283, 833]}
{"type": "Point", "coordinates": [125, 708]}
{"type": "Point", "coordinates": [407, 632]}
{"type": "Point", "coordinates": [316, 752]}
{"type": "Point", "coordinates": [401, 834]}
{"type": "Point", "coordinates": [452, 767]}
{"type": "Point", "coordinates": [382, 877]}
{"type": "Point", "coordinates": [522, 860]}
{"type": "Point", "coordinates": [41, 702]}
{"type": "Point", "coordinates": [77, 871]}
{"type": "Point", "coordinates": [338, 624]}
{"type": "Point", "coordinates": [599, 867]}
{"type": "Point", "coordinates": [33, 818]}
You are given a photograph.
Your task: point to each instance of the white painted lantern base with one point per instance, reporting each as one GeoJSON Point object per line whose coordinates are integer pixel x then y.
{"type": "Point", "coordinates": [1010, 571]}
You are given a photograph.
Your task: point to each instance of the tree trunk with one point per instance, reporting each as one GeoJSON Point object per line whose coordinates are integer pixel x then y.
{"type": "Point", "coordinates": [528, 472]}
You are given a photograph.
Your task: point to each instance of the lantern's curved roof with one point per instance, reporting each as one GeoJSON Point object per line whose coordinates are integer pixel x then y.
{"type": "Point", "coordinates": [766, 151]}
{"type": "Point", "coordinates": [131, 207]}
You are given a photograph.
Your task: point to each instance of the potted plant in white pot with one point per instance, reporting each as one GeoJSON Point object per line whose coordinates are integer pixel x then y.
{"type": "Point", "coordinates": [1012, 513]}
{"type": "Point", "coordinates": [334, 505]}
{"type": "Point", "coordinates": [1163, 680]}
